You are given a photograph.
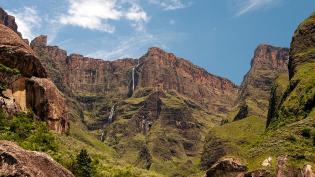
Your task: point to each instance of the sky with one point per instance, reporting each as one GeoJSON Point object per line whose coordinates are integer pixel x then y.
{"type": "Point", "coordinates": [218, 35]}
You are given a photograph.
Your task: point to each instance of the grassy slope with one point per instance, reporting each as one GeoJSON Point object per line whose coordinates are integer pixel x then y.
{"type": "Point", "coordinates": [164, 141]}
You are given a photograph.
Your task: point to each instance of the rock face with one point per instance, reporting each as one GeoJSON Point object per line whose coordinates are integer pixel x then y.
{"type": "Point", "coordinates": [156, 69]}
{"type": "Point", "coordinates": [15, 161]}
{"type": "Point", "coordinates": [15, 53]}
{"type": "Point", "coordinates": [20, 93]}
{"type": "Point", "coordinates": [9, 21]}
{"type": "Point", "coordinates": [165, 71]}
{"type": "Point", "coordinates": [268, 62]}
{"type": "Point", "coordinates": [48, 103]}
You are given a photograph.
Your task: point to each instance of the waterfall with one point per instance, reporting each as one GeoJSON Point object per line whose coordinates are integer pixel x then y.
{"type": "Point", "coordinates": [110, 119]}
{"type": "Point", "coordinates": [111, 114]}
{"type": "Point", "coordinates": [133, 79]}
{"type": "Point", "coordinates": [133, 76]}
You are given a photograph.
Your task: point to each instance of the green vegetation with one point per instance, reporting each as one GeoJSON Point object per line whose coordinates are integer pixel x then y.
{"type": "Point", "coordinates": [27, 132]}
{"type": "Point", "coordinates": [7, 75]}
{"type": "Point", "coordinates": [83, 167]}
{"type": "Point", "coordinates": [7, 70]}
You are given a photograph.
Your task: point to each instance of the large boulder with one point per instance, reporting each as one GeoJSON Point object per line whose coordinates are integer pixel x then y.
{"type": "Point", "coordinates": [15, 161]}
{"type": "Point", "coordinates": [15, 53]}
{"type": "Point", "coordinates": [48, 103]}
{"type": "Point", "coordinates": [228, 167]}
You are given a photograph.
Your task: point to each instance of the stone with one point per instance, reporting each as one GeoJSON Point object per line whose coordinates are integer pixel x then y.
{"type": "Point", "coordinates": [48, 103]}
{"type": "Point", "coordinates": [15, 53]}
{"type": "Point", "coordinates": [227, 167]}
{"type": "Point", "coordinates": [15, 161]}
{"type": "Point", "coordinates": [8, 21]}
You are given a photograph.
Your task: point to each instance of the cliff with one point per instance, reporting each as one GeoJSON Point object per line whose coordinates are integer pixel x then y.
{"type": "Point", "coordinates": [268, 62]}
{"type": "Point", "coordinates": [298, 101]}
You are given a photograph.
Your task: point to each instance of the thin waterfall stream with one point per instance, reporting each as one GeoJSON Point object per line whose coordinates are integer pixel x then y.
{"type": "Point", "coordinates": [110, 120]}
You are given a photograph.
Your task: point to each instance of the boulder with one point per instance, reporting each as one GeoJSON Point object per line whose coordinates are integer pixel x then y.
{"type": "Point", "coordinates": [48, 103]}
{"type": "Point", "coordinates": [15, 161]}
{"type": "Point", "coordinates": [15, 53]}
{"type": "Point", "coordinates": [227, 167]}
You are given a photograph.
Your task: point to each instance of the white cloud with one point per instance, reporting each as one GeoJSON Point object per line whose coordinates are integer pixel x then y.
{"type": "Point", "coordinates": [245, 6]}
{"type": "Point", "coordinates": [97, 14]}
{"type": "Point", "coordinates": [27, 20]}
{"type": "Point", "coordinates": [135, 46]}
{"type": "Point", "coordinates": [170, 4]}
{"type": "Point", "coordinates": [126, 47]}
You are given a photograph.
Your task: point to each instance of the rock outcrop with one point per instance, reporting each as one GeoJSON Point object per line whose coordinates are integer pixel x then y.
{"type": "Point", "coordinates": [15, 161]}
{"type": "Point", "coordinates": [268, 62]}
{"type": "Point", "coordinates": [15, 53]}
{"type": "Point", "coordinates": [48, 103]}
{"type": "Point", "coordinates": [9, 21]}
{"type": "Point", "coordinates": [228, 167]}
{"type": "Point", "coordinates": [18, 64]}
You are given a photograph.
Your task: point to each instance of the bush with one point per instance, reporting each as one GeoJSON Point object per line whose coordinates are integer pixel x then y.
{"type": "Point", "coordinates": [83, 166]}
{"type": "Point", "coordinates": [28, 132]}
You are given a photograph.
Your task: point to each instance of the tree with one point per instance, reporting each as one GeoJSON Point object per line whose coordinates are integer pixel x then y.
{"type": "Point", "coordinates": [83, 165]}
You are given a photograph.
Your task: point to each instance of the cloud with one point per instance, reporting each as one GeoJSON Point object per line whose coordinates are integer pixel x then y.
{"type": "Point", "coordinates": [245, 6]}
{"type": "Point", "coordinates": [135, 46]}
{"type": "Point", "coordinates": [97, 14]}
{"type": "Point", "coordinates": [27, 19]}
{"type": "Point", "coordinates": [170, 4]}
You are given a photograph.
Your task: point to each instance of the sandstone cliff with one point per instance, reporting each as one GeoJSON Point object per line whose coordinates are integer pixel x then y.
{"type": "Point", "coordinates": [268, 62]}
{"type": "Point", "coordinates": [15, 161]}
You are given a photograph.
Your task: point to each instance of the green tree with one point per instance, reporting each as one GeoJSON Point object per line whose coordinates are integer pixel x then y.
{"type": "Point", "coordinates": [83, 165]}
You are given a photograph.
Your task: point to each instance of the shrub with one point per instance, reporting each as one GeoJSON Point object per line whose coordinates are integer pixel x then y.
{"type": "Point", "coordinates": [83, 166]}
{"type": "Point", "coordinates": [28, 132]}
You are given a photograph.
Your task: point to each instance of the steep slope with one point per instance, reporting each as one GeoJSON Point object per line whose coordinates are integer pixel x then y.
{"type": "Point", "coordinates": [299, 99]}
{"type": "Point", "coordinates": [268, 62]}
{"type": "Point", "coordinates": [286, 147]}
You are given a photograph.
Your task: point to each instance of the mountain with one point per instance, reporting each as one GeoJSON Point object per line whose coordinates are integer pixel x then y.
{"type": "Point", "coordinates": [268, 62]}
{"type": "Point", "coordinates": [286, 146]}
{"type": "Point", "coordinates": [151, 109]}
{"type": "Point", "coordinates": [158, 115]}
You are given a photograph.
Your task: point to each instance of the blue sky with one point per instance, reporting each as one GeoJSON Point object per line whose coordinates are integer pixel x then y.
{"type": "Point", "coordinates": [218, 35]}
